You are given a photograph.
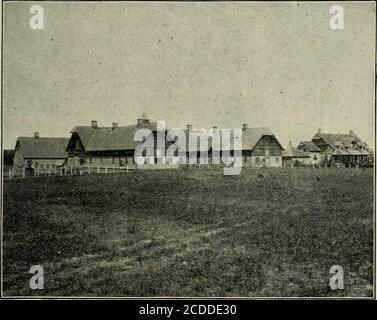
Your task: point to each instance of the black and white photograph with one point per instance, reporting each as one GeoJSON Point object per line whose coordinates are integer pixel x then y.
{"type": "Point", "coordinates": [188, 149]}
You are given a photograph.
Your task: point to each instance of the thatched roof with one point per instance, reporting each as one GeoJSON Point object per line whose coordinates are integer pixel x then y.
{"type": "Point", "coordinates": [43, 148]}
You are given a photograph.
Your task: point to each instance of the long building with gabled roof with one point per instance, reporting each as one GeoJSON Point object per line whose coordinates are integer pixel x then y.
{"type": "Point", "coordinates": [105, 146]}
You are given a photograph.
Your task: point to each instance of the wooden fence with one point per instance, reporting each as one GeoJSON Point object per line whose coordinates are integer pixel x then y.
{"type": "Point", "coordinates": [13, 173]}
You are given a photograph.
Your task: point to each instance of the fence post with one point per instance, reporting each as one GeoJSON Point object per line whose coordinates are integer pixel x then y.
{"type": "Point", "coordinates": [106, 169]}
{"type": "Point", "coordinates": [49, 174]}
{"type": "Point", "coordinates": [127, 167]}
{"type": "Point", "coordinates": [89, 170]}
{"type": "Point", "coordinates": [10, 173]}
{"type": "Point", "coordinates": [98, 169]}
{"type": "Point", "coordinates": [113, 169]}
{"type": "Point", "coordinates": [23, 172]}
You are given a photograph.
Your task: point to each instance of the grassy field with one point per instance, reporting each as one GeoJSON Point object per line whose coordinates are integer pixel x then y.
{"type": "Point", "coordinates": [191, 233]}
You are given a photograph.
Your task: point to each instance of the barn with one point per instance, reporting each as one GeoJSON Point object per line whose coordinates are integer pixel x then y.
{"type": "Point", "coordinates": [37, 153]}
{"type": "Point", "coordinates": [107, 146]}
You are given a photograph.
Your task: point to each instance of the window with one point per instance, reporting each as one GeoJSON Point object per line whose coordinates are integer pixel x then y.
{"type": "Point", "coordinates": [277, 159]}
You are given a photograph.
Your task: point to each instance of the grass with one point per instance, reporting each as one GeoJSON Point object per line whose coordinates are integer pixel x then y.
{"type": "Point", "coordinates": [191, 233]}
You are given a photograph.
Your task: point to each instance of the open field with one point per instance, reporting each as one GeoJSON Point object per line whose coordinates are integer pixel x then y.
{"type": "Point", "coordinates": [191, 233]}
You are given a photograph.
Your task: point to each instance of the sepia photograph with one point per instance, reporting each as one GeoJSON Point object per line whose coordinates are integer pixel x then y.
{"type": "Point", "coordinates": [188, 149]}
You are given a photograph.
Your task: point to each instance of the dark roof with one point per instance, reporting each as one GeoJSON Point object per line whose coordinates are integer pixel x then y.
{"type": "Point", "coordinates": [107, 138]}
{"type": "Point", "coordinates": [309, 145]}
{"type": "Point", "coordinates": [293, 152]}
{"type": "Point", "coordinates": [43, 148]}
{"type": "Point", "coordinates": [334, 139]}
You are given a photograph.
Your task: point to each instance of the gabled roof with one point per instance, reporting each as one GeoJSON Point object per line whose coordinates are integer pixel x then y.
{"type": "Point", "coordinates": [334, 139]}
{"type": "Point", "coordinates": [309, 145]}
{"type": "Point", "coordinates": [250, 138]}
{"type": "Point", "coordinates": [107, 138]}
{"type": "Point", "coordinates": [293, 152]}
{"type": "Point", "coordinates": [43, 148]}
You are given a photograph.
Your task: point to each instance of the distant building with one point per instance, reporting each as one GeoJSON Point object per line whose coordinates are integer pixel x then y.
{"type": "Point", "coordinates": [347, 149]}
{"type": "Point", "coordinates": [293, 156]}
{"type": "Point", "coordinates": [260, 148]}
{"type": "Point", "coordinates": [40, 153]}
{"type": "Point", "coordinates": [311, 149]}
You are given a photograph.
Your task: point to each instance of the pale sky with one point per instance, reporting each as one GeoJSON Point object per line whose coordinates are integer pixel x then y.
{"type": "Point", "coordinates": [266, 64]}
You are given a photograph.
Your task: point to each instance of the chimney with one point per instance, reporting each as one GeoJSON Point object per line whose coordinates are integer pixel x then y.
{"type": "Point", "coordinates": [290, 143]}
{"type": "Point", "coordinates": [245, 126]}
{"type": "Point", "coordinates": [94, 124]}
{"type": "Point", "coordinates": [215, 127]}
{"type": "Point", "coordinates": [189, 126]}
{"type": "Point", "coordinates": [115, 125]}
{"type": "Point", "coordinates": [36, 135]}
{"type": "Point", "coordinates": [319, 130]}
{"type": "Point", "coordinates": [352, 133]}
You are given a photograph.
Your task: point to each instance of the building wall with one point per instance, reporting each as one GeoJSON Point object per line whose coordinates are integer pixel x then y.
{"type": "Point", "coordinates": [109, 161]}
{"type": "Point", "coordinates": [315, 158]}
{"type": "Point", "coordinates": [262, 161]}
{"type": "Point", "coordinates": [289, 162]}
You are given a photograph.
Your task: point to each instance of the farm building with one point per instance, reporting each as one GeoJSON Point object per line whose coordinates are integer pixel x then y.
{"type": "Point", "coordinates": [311, 149]}
{"type": "Point", "coordinates": [294, 157]}
{"type": "Point", "coordinates": [107, 146]}
{"type": "Point", "coordinates": [345, 149]}
{"type": "Point", "coordinates": [260, 148]}
{"type": "Point", "coordinates": [40, 153]}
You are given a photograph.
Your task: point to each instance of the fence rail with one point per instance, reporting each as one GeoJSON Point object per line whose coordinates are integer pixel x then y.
{"type": "Point", "coordinates": [13, 173]}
